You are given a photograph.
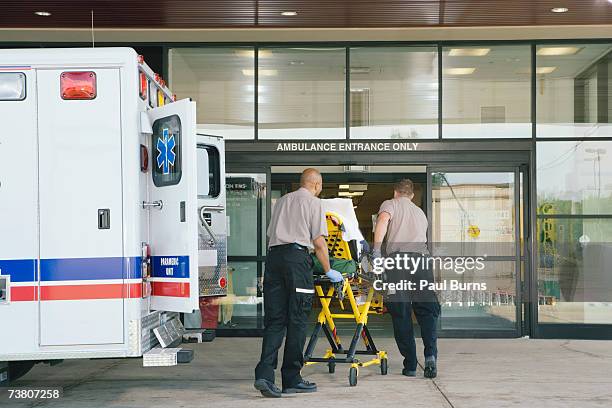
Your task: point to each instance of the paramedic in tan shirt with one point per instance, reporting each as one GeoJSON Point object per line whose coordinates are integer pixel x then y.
{"type": "Point", "coordinates": [404, 225]}
{"type": "Point", "coordinates": [297, 225]}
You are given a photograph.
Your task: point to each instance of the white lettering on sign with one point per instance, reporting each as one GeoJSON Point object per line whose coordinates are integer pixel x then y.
{"type": "Point", "coordinates": [347, 147]}
{"type": "Point", "coordinates": [171, 261]}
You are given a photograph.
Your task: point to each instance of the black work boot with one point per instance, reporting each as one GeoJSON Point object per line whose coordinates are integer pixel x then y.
{"type": "Point", "coordinates": [302, 387]}
{"type": "Point", "coordinates": [430, 371]}
{"type": "Point", "coordinates": [409, 373]}
{"type": "Point", "coordinates": [267, 388]}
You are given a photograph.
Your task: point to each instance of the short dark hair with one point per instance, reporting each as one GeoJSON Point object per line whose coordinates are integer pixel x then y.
{"type": "Point", "coordinates": [405, 187]}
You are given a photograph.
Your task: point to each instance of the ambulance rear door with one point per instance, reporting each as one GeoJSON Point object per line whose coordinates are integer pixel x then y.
{"type": "Point", "coordinates": [173, 208]}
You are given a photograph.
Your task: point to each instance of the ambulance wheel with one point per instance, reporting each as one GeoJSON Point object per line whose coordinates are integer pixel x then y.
{"type": "Point", "coordinates": [383, 366]}
{"type": "Point", "coordinates": [331, 366]}
{"type": "Point", "coordinates": [353, 376]}
{"type": "Point", "coordinates": [18, 369]}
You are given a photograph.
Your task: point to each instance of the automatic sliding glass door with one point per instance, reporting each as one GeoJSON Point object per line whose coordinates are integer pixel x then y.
{"type": "Point", "coordinates": [475, 236]}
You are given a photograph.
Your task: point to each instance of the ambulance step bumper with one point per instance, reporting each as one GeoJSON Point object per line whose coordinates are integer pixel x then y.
{"type": "Point", "coordinates": [165, 357]}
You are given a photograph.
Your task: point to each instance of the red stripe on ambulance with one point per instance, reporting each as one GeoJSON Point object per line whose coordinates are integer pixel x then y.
{"type": "Point", "coordinates": [171, 289]}
{"type": "Point", "coordinates": [24, 293]}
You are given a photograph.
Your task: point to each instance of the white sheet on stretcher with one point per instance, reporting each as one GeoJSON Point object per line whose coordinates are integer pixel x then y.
{"type": "Point", "coordinates": [344, 208]}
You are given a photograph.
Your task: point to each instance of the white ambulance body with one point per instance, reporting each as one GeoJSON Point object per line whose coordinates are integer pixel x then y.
{"type": "Point", "coordinates": [100, 168]}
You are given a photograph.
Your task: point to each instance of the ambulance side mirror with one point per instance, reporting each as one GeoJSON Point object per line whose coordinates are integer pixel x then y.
{"type": "Point", "coordinates": [145, 124]}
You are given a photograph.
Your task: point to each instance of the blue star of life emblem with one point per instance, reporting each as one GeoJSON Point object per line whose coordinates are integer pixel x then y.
{"type": "Point", "coordinates": [165, 152]}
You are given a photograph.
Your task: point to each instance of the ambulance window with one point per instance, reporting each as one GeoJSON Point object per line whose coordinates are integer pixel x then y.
{"type": "Point", "coordinates": [12, 86]}
{"type": "Point", "coordinates": [209, 171]}
{"type": "Point", "coordinates": [166, 142]}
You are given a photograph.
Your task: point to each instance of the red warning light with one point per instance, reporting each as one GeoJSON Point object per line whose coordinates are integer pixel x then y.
{"type": "Point", "coordinates": [144, 86]}
{"type": "Point", "coordinates": [78, 85]}
{"type": "Point", "coordinates": [222, 283]}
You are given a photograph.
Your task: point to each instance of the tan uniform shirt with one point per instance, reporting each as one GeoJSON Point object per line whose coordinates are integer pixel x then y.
{"type": "Point", "coordinates": [298, 218]}
{"type": "Point", "coordinates": [407, 230]}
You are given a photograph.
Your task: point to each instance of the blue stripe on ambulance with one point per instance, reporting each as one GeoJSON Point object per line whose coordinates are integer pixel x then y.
{"type": "Point", "coordinates": [21, 270]}
{"type": "Point", "coordinates": [25, 270]}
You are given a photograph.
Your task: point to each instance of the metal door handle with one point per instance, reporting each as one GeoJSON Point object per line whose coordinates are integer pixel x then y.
{"type": "Point", "coordinates": [159, 204]}
{"type": "Point", "coordinates": [205, 224]}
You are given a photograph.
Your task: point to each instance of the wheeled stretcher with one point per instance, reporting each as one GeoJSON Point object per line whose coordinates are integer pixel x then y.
{"type": "Point", "coordinates": [357, 291]}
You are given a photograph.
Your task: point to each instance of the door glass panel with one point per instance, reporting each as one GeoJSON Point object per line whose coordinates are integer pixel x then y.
{"type": "Point", "coordinates": [239, 308]}
{"type": "Point", "coordinates": [473, 215]}
{"type": "Point", "coordinates": [573, 266]}
{"type": "Point", "coordinates": [246, 195]}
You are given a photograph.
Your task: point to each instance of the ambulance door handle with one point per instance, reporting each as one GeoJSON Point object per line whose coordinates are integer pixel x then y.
{"type": "Point", "coordinates": [159, 204]}
{"type": "Point", "coordinates": [205, 224]}
{"type": "Point", "coordinates": [104, 218]}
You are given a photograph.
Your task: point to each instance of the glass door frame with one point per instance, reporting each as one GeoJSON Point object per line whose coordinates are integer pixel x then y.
{"type": "Point", "coordinates": [521, 257]}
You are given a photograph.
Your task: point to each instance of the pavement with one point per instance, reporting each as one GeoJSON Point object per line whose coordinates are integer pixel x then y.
{"type": "Point", "coordinates": [472, 374]}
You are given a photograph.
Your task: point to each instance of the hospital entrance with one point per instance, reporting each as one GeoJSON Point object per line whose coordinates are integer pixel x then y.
{"type": "Point", "coordinates": [464, 205]}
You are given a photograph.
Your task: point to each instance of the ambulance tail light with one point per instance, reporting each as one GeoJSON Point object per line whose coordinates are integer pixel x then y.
{"type": "Point", "coordinates": [144, 83]}
{"type": "Point", "coordinates": [78, 85]}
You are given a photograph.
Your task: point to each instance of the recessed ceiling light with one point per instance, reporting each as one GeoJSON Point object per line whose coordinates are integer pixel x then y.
{"type": "Point", "coordinates": [261, 72]}
{"type": "Point", "coordinates": [251, 53]}
{"type": "Point", "coordinates": [545, 70]}
{"type": "Point", "coordinates": [459, 71]}
{"type": "Point", "coordinates": [559, 9]}
{"type": "Point", "coordinates": [289, 13]}
{"type": "Point", "coordinates": [469, 52]}
{"type": "Point", "coordinates": [558, 51]}
{"type": "Point", "coordinates": [360, 70]}
{"type": "Point", "coordinates": [344, 186]}
{"type": "Point", "coordinates": [42, 13]}
{"type": "Point", "coordinates": [539, 70]}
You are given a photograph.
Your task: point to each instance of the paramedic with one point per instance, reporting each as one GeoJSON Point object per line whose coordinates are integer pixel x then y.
{"type": "Point", "coordinates": [297, 225]}
{"type": "Point", "coordinates": [405, 226]}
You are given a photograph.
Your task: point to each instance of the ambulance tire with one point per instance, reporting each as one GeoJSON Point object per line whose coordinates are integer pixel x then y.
{"type": "Point", "coordinates": [18, 369]}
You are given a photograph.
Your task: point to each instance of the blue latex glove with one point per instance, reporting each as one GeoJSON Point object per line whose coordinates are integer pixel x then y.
{"type": "Point", "coordinates": [334, 276]}
{"type": "Point", "coordinates": [376, 253]}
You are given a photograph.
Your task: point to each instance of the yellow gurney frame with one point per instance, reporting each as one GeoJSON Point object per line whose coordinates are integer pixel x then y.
{"type": "Point", "coordinates": [325, 291]}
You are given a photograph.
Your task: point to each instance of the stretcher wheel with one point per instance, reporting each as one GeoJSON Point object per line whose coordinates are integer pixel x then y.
{"type": "Point", "coordinates": [331, 366]}
{"type": "Point", "coordinates": [353, 376]}
{"type": "Point", "coordinates": [383, 366]}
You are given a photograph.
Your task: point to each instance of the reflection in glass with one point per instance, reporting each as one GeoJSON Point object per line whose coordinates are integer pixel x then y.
{"type": "Point", "coordinates": [238, 310]}
{"type": "Point", "coordinates": [301, 93]}
{"type": "Point", "coordinates": [573, 269]}
{"type": "Point", "coordinates": [244, 195]}
{"type": "Point", "coordinates": [573, 90]}
{"type": "Point", "coordinates": [473, 214]}
{"type": "Point", "coordinates": [574, 177]}
{"type": "Point", "coordinates": [491, 308]}
{"type": "Point", "coordinates": [473, 207]}
{"type": "Point", "coordinates": [394, 92]}
{"type": "Point", "coordinates": [215, 79]}
{"type": "Point", "coordinates": [486, 92]}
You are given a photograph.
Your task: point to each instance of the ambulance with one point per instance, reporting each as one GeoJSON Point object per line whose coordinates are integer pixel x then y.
{"type": "Point", "coordinates": [112, 208]}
